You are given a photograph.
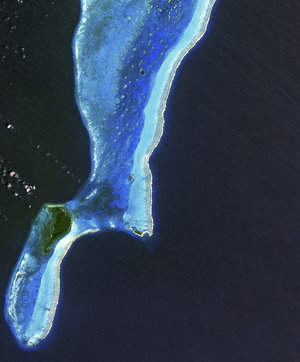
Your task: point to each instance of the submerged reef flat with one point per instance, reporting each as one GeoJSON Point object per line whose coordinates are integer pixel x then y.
{"type": "Point", "coordinates": [125, 53]}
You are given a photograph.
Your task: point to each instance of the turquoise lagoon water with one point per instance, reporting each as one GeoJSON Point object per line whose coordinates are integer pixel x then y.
{"type": "Point", "coordinates": [125, 54]}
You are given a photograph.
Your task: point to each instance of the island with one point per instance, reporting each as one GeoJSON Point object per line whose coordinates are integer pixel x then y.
{"type": "Point", "coordinates": [126, 53]}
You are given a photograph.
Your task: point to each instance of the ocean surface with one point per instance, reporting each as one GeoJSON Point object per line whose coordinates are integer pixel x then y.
{"type": "Point", "coordinates": [221, 279]}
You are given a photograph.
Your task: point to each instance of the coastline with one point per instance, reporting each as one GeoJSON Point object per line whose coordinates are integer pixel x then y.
{"type": "Point", "coordinates": [158, 131]}
{"type": "Point", "coordinates": [223, 262]}
{"type": "Point", "coordinates": [140, 203]}
{"type": "Point", "coordinates": [54, 273]}
{"type": "Point", "coordinates": [158, 101]}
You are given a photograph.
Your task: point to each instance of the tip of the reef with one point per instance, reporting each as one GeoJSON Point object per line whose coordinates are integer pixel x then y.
{"type": "Point", "coordinates": [26, 346]}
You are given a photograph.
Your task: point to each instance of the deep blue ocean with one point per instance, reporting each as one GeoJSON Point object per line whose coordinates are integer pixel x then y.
{"type": "Point", "coordinates": [220, 279]}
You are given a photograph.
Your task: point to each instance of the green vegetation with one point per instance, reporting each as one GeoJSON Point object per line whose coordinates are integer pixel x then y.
{"type": "Point", "coordinates": [137, 232]}
{"type": "Point", "coordinates": [60, 226]}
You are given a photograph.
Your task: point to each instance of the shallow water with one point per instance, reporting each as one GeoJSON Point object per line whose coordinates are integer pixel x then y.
{"type": "Point", "coordinates": [226, 270]}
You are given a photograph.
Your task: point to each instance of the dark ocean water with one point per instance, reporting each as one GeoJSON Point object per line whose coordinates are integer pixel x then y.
{"type": "Point", "coordinates": [223, 284]}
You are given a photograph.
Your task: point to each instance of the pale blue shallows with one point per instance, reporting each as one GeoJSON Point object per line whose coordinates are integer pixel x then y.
{"type": "Point", "coordinates": [126, 53]}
